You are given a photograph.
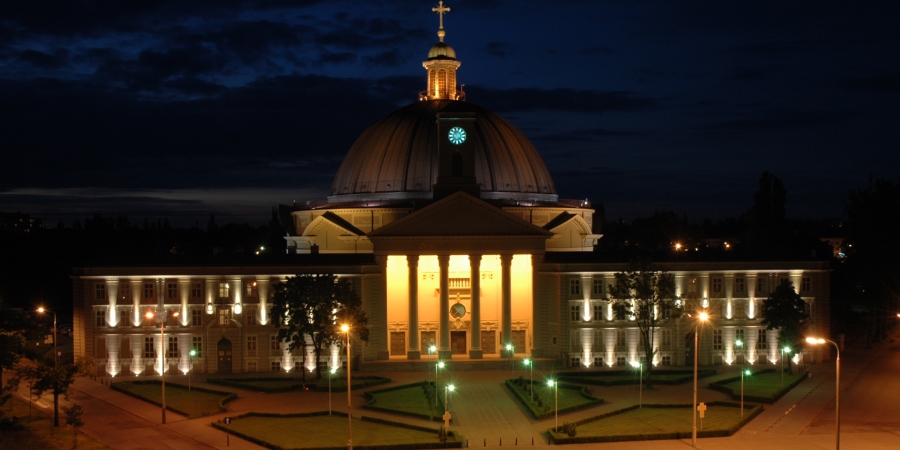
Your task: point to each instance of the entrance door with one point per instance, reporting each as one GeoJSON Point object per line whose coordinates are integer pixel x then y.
{"type": "Point", "coordinates": [224, 351]}
{"type": "Point", "coordinates": [428, 339]}
{"type": "Point", "coordinates": [489, 342]}
{"type": "Point", "coordinates": [458, 342]}
{"type": "Point", "coordinates": [398, 343]}
{"type": "Point", "coordinates": [518, 341]}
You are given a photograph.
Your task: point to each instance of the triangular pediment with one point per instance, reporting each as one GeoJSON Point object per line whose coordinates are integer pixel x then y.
{"type": "Point", "coordinates": [460, 215]}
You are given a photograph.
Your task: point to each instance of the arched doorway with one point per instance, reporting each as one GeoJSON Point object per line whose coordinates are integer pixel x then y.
{"type": "Point", "coordinates": [223, 349]}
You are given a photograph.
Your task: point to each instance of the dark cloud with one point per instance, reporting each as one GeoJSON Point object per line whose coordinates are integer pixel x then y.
{"type": "Point", "coordinates": [44, 60]}
{"type": "Point", "coordinates": [886, 83]}
{"type": "Point", "coordinates": [774, 120]}
{"type": "Point", "coordinates": [597, 50]}
{"type": "Point", "coordinates": [336, 58]}
{"type": "Point", "coordinates": [529, 99]}
{"type": "Point", "coordinates": [749, 73]}
{"type": "Point", "coordinates": [498, 48]}
{"type": "Point", "coordinates": [390, 58]}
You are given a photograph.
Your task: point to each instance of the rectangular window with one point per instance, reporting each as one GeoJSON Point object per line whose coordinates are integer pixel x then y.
{"type": "Point", "coordinates": [739, 336]}
{"type": "Point", "coordinates": [620, 339]}
{"type": "Point", "coordinates": [739, 285]}
{"type": "Point", "coordinates": [196, 317]}
{"type": "Point", "coordinates": [148, 290]}
{"type": "Point", "coordinates": [598, 311]}
{"type": "Point", "coordinates": [251, 316]}
{"type": "Point", "coordinates": [275, 366]}
{"type": "Point", "coordinates": [197, 346]}
{"type": "Point", "coordinates": [574, 313]}
{"type": "Point", "coordinates": [252, 291]}
{"type": "Point", "coordinates": [149, 351]}
{"type": "Point", "coordinates": [224, 290]}
{"type": "Point", "coordinates": [575, 287]}
{"type": "Point", "coordinates": [124, 291]}
{"type": "Point", "coordinates": [196, 290]}
{"type": "Point", "coordinates": [666, 360]}
{"type": "Point", "coordinates": [761, 286]}
{"type": "Point", "coordinates": [274, 343]}
{"type": "Point", "coordinates": [717, 339]}
{"type": "Point", "coordinates": [100, 318]}
{"type": "Point", "coordinates": [666, 337]}
{"type": "Point", "coordinates": [251, 345]}
{"type": "Point", "coordinates": [576, 362]}
{"type": "Point", "coordinates": [761, 341]}
{"type": "Point", "coordinates": [717, 285]}
{"type": "Point", "coordinates": [598, 286]}
{"type": "Point", "coordinates": [598, 361]}
{"type": "Point", "coordinates": [620, 360]}
{"type": "Point", "coordinates": [100, 289]}
{"type": "Point", "coordinates": [251, 366]}
{"type": "Point", "coordinates": [173, 347]}
{"type": "Point", "coordinates": [224, 315]}
{"type": "Point", "coordinates": [805, 284]}
{"type": "Point", "coordinates": [620, 310]}
{"type": "Point", "coordinates": [172, 290]}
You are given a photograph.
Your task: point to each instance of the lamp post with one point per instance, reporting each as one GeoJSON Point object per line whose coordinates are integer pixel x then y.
{"type": "Point", "coordinates": [346, 329]}
{"type": "Point", "coordinates": [447, 388]}
{"type": "Point", "coordinates": [164, 348]}
{"type": "Point", "coordinates": [528, 362]}
{"type": "Point", "coordinates": [431, 349]}
{"type": "Point", "coordinates": [639, 365]}
{"type": "Point", "coordinates": [509, 351]}
{"type": "Point", "coordinates": [192, 354]}
{"type": "Point", "coordinates": [702, 317]}
{"type": "Point", "coordinates": [330, 374]}
{"type": "Point", "coordinates": [743, 372]}
{"type": "Point", "coordinates": [437, 365]}
{"type": "Point", "coordinates": [42, 310]}
{"type": "Point", "coordinates": [783, 351]}
{"type": "Point", "coordinates": [555, 385]}
{"type": "Point", "coordinates": [837, 388]}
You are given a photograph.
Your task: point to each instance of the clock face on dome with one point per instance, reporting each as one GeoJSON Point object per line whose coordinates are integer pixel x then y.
{"type": "Point", "coordinates": [457, 135]}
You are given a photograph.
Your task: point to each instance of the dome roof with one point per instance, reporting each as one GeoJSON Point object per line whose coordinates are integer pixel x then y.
{"type": "Point", "coordinates": [441, 51]}
{"type": "Point", "coordinates": [397, 157]}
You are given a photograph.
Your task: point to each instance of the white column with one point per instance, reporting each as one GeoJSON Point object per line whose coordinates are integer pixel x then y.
{"type": "Point", "coordinates": [609, 339]}
{"type": "Point", "coordinates": [237, 295]}
{"type": "Point", "coordinates": [112, 293]}
{"type": "Point", "coordinates": [752, 335]}
{"type": "Point", "coordinates": [412, 263]}
{"type": "Point", "coordinates": [184, 352]}
{"type": "Point", "coordinates": [334, 353]}
{"type": "Point", "coordinates": [184, 292]}
{"type": "Point", "coordinates": [136, 286]}
{"type": "Point", "coordinates": [772, 336]}
{"type": "Point", "coordinates": [160, 292]}
{"type": "Point", "coordinates": [160, 347]}
{"type": "Point", "coordinates": [113, 343]}
{"type": "Point", "coordinates": [633, 338]}
{"type": "Point", "coordinates": [137, 353]}
{"type": "Point", "coordinates": [729, 295]}
{"type": "Point", "coordinates": [506, 301]}
{"type": "Point", "coordinates": [287, 359]}
{"type": "Point", "coordinates": [309, 360]}
{"type": "Point", "coordinates": [586, 287]}
{"type": "Point", "coordinates": [751, 295]}
{"type": "Point", "coordinates": [657, 335]}
{"type": "Point", "coordinates": [444, 312]}
{"type": "Point", "coordinates": [728, 342]}
{"type": "Point", "coordinates": [475, 351]}
{"type": "Point", "coordinates": [587, 343]}
{"type": "Point", "coordinates": [212, 292]}
{"type": "Point", "coordinates": [262, 286]}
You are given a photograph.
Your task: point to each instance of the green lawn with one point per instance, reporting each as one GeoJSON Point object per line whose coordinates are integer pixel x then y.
{"type": "Point", "coordinates": [546, 398]}
{"type": "Point", "coordinates": [410, 399]}
{"type": "Point", "coordinates": [763, 385]}
{"type": "Point", "coordinates": [281, 384]}
{"type": "Point", "coordinates": [194, 403]}
{"type": "Point", "coordinates": [39, 434]}
{"type": "Point", "coordinates": [622, 377]}
{"type": "Point", "coordinates": [662, 420]}
{"type": "Point", "coordinates": [327, 431]}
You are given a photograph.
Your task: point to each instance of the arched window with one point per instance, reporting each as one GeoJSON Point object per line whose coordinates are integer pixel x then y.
{"type": "Point", "coordinates": [442, 83]}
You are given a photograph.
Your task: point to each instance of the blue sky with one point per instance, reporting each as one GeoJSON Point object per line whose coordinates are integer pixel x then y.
{"type": "Point", "coordinates": [186, 109]}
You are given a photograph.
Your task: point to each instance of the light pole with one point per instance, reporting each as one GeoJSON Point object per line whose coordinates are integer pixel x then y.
{"type": "Point", "coordinates": [330, 374]}
{"type": "Point", "coordinates": [528, 362]}
{"type": "Point", "coordinates": [447, 388]}
{"type": "Point", "coordinates": [431, 349]}
{"type": "Point", "coordinates": [743, 372]}
{"type": "Point", "coordinates": [702, 317]}
{"type": "Point", "coordinates": [509, 350]}
{"type": "Point", "coordinates": [555, 385]}
{"type": "Point", "coordinates": [837, 388]}
{"type": "Point", "coordinates": [42, 310]}
{"type": "Point", "coordinates": [783, 351]}
{"type": "Point", "coordinates": [346, 329]}
{"type": "Point", "coordinates": [192, 354]}
{"type": "Point", "coordinates": [437, 365]}
{"type": "Point", "coordinates": [164, 348]}
{"type": "Point", "coordinates": [639, 365]}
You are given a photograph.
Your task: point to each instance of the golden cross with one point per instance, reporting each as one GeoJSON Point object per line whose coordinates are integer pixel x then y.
{"type": "Point", "coordinates": [441, 9]}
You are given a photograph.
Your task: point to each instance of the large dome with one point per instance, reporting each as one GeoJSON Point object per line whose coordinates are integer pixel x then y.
{"type": "Point", "coordinates": [397, 157]}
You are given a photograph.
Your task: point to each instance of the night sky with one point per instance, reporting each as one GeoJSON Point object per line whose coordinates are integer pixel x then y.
{"type": "Point", "coordinates": [182, 109]}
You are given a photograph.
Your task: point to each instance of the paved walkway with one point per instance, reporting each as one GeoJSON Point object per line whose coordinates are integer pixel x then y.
{"type": "Point", "coordinates": [486, 414]}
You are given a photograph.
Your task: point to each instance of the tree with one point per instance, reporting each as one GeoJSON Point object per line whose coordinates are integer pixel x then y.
{"type": "Point", "coordinates": [313, 307]}
{"type": "Point", "coordinates": [785, 310]}
{"type": "Point", "coordinates": [56, 379]}
{"type": "Point", "coordinates": [12, 338]}
{"type": "Point", "coordinates": [649, 296]}
{"type": "Point", "coordinates": [75, 420]}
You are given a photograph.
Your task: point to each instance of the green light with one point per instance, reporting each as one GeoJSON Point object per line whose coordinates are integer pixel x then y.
{"type": "Point", "coordinates": [526, 361]}
{"type": "Point", "coordinates": [747, 372]}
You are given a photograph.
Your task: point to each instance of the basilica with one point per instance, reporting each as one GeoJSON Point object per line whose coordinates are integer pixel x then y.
{"type": "Point", "coordinates": [446, 221]}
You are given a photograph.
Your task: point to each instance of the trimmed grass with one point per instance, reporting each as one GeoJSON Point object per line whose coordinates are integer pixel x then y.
{"type": "Point", "coordinates": [570, 398]}
{"type": "Point", "coordinates": [765, 386]}
{"type": "Point", "coordinates": [280, 384]}
{"type": "Point", "coordinates": [409, 399]}
{"type": "Point", "coordinates": [39, 433]}
{"type": "Point", "coordinates": [195, 403]}
{"type": "Point", "coordinates": [323, 431]}
{"type": "Point", "coordinates": [623, 377]}
{"type": "Point", "coordinates": [659, 422]}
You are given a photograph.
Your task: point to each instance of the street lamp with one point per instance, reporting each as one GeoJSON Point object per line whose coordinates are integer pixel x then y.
{"type": "Point", "coordinates": [164, 348]}
{"type": "Point", "coordinates": [346, 329]}
{"type": "Point", "coordinates": [431, 349]}
{"type": "Point", "coordinates": [743, 372]}
{"type": "Point", "coordinates": [447, 388]}
{"type": "Point", "coordinates": [528, 362]}
{"type": "Point", "coordinates": [555, 385]}
{"type": "Point", "coordinates": [192, 354]}
{"type": "Point", "coordinates": [702, 317]}
{"type": "Point", "coordinates": [330, 374]}
{"type": "Point", "coordinates": [509, 351]}
{"type": "Point", "coordinates": [437, 365]}
{"type": "Point", "coordinates": [783, 351]}
{"type": "Point", "coordinates": [42, 310]}
{"type": "Point", "coordinates": [837, 388]}
{"type": "Point", "coordinates": [639, 365]}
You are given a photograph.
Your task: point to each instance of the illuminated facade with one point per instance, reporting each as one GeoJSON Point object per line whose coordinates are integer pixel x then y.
{"type": "Point", "coordinates": [446, 220]}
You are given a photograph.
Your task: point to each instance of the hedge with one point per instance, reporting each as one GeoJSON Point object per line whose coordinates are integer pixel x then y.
{"type": "Point", "coordinates": [297, 385]}
{"type": "Point", "coordinates": [720, 386]}
{"type": "Point", "coordinates": [596, 377]}
{"type": "Point", "coordinates": [229, 396]}
{"type": "Point", "coordinates": [525, 398]}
